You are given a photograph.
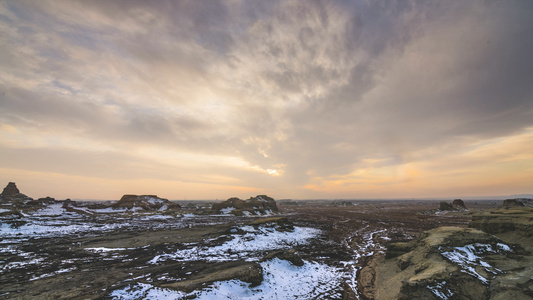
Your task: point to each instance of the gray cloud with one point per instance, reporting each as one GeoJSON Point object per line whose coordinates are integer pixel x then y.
{"type": "Point", "coordinates": [315, 88]}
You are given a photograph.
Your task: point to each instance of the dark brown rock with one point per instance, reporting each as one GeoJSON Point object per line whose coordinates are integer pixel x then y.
{"type": "Point", "coordinates": [248, 272]}
{"type": "Point", "coordinates": [13, 197]}
{"type": "Point", "coordinates": [288, 255]}
{"type": "Point", "coordinates": [458, 204]}
{"type": "Point", "coordinates": [10, 190]}
{"type": "Point", "coordinates": [67, 203]}
{"type": "Point", "coordinates": [445, 206]}
{"type": "Point", "coordinates": [512, 203]}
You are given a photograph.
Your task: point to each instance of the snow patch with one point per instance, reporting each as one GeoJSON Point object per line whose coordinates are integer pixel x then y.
{"type": "Point", "coordinates": [243, 246]}
{"type": "Point", "coordinates": [471, 256]}
{"type": "Point", "coordinates": [227, 210]}
{"type": "Point", "coordinates": [440, 290]}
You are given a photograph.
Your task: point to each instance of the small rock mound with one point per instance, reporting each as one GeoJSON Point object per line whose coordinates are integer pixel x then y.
{"type": "Point", "coordinates": [144, 203]}
{"type": "Point", "coordinates": [259, 205]}
{"type": "Point", "coordinates": [251, 273]}
{"type": "Point", "coordinates": [289, 255]}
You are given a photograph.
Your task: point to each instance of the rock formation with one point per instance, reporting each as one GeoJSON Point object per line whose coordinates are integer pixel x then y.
{"type": "Point", "coordinates": [11, 196]}
{"type": "Point", "coordinates": [453, 263]}
{"type": "Point", "coordinates": [456, 205]}
{"type": "Point", "coordinates": [515, 219]}
{"type": "Point", "coordinates": [512, 203]}
{"type": "Point", "coordinates": [459, 204]}
{"type": "Point", "coordinates": [445, 206]}
{"type": "Point", "coordinates": [144, 203]}
{"type": "Point", "coordinates": [10, 190]}
{"type": "Point", "coordinates": [250, 272]}
{"type": "Point", "coordinates": [259, 205]}
{"type": "Point", "coordinates": [47, 200]}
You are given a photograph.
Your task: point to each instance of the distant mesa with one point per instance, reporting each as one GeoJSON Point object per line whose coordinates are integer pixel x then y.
{"type": "Point", "coordinates": [258, 205]}
{"type": "Point", "coordinates": [516, 219]}
{"type": "Point", "coordinates": [512, 203]}
{"type": "Point", "coordinates": [144, 203]}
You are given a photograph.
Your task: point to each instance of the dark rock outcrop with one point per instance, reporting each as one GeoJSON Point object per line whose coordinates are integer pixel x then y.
{"type": "Point", "coordinates": [259, 205]}
{"type": "Point", "coordinates": [445, 206]}
{"type": "Point", "coordinates": [456, 205]}
{"type": "Point", "coordinates": [11, 196]}
{"type": "Point", "coordinates": [68, 203]}
{"type": "Point", "coordinates": [144, 203]}
{"type": "Point", "coordinates": [46, 200]}
{"type": "Point", "coordinates": [10, 190]}
{"type": "Point", "coordinates": [248, 272]}
{"type": "Point", "coordinates": [512, 203]}
{"type": "Point", "coordinates": [288, 255]}
{"type": "Point", "coordinates": [281, 224]}
{"type": "Point", "coordinates": [459, 204]}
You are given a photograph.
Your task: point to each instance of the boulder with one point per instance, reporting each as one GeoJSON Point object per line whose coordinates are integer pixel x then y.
{"type": "Point", "coordinates": [259, 205]}
{"type": "Point", "coordinates": [144, 203]}
{"type": "Point", "coordinates": [458, 204]}
{"type": "Point", "coordinates": [289, 255]}
{"type": "Point", "coordinates": [281, 224]}
{"type": "Point", "coordinates": [445, 206]}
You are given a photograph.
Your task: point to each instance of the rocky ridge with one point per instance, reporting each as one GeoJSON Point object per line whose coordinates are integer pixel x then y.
{"type": "Point", "coordinates": [453, 263]}
{"type": "Point", "coordinates": [515, 219]}
{"type": "Point", "coordinates": [258, 205]}
{"type": "Point", "coordinates": [493, 259]}
{"type": "Point", "coordinates": [144, 203]}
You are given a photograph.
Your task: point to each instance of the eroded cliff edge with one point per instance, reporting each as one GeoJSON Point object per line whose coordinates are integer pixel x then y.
{"type": "Point", "coordinates": [491, 260]}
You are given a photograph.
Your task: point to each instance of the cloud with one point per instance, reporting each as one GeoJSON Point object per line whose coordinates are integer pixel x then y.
{"type": "Point", "coordinates": [314, 90]}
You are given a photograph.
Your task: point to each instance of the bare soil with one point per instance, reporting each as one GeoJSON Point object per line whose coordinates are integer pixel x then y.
{"type": "Point", "coordinates": [69, 271]}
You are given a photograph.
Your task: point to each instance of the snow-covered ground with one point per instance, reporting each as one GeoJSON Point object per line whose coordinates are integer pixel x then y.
{"type": "Point", "coordinates": [317, 278]}
{"type": "Point", "coordinates": [282, 280]}
{"type": "Point", "coordinates": [243, 246]}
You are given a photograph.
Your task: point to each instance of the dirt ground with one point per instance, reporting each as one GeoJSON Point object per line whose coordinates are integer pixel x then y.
{"type": "Point", "coordinates": [69, 271]}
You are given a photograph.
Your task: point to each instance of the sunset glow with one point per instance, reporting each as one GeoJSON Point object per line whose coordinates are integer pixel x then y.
{"type": "Point", "coordinates": [293, 99]}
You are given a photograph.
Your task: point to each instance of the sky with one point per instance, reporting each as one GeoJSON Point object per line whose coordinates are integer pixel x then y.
{"type": "Point", "coordinates": [293, 99]}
